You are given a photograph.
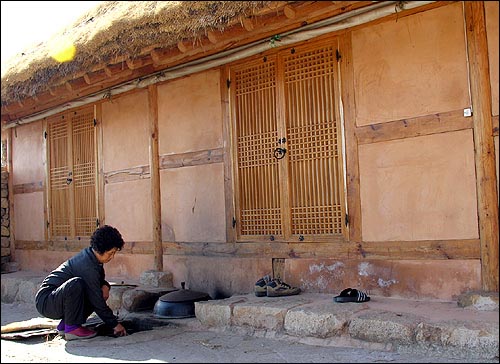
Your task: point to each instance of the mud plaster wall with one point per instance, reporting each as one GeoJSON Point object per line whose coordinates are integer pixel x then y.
{"type": "Point", "coordinates": [190, 114]}
{"type": "Point", "coordinates": [220, 277]}
{"type": "Point", "coordinates": [439, 279]}
{"type": "Point", "coordinates": [419, 188]}
{"type": "Point", "coordinates": [125, 132]}
{"type": "Point", "coordinates": [190, 120]}
{"type": "Point", "coordinates": [192, 200]}
{"type": "Point", "coordinates": [123, 266]}
{"type": "Point", "coordinates": [125, 129]}
{"type": "Point", "coordinates": [411, 67]}
{"type": "Point", "coordinates": [128, 208]}
{"type": "Point", "coordinates": [28, 168]}
{"type": "Point", "coordinates": [27, 154]}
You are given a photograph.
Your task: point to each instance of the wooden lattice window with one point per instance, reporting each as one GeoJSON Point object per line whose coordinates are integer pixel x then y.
{"type": "Point", "coordinates": [72, 191]}
{"type": "Point", "coordinates": [287, 101]}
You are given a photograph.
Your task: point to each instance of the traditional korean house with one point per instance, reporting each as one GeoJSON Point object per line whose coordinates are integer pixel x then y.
{"type": "Point", "coordinates": [331, 143]}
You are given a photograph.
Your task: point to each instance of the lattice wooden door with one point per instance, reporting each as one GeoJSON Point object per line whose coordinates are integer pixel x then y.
{"type": "Point", "coordinates": [316, 189]}
{"type": "Point", "coordinates": [72, 174]}
{"type": "Point", "coordinates": [257, 133]}
{"type": "Point", "coordinates": [288, 165]}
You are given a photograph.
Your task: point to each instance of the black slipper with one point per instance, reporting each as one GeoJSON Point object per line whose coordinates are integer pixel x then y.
{"type": "Point", "coordinates": [351, 295]}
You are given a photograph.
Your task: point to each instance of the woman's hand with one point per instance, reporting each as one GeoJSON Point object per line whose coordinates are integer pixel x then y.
{"type": "Point", "coordinates": [119, 330]}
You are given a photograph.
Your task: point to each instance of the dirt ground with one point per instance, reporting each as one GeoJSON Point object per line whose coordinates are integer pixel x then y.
{"type": "Point", "coordinates": [183, 344]}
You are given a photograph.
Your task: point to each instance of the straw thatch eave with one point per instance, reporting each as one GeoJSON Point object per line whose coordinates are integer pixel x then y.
{"type": "Point", "coordinates": [119, 30]}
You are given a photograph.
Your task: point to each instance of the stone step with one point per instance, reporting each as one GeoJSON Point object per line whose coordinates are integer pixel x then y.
{"type": "Point", "coordinates": [382, 323]}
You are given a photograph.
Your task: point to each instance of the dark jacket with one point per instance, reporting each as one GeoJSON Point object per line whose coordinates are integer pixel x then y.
{"type": "Point", "coordinates": [86, 266]}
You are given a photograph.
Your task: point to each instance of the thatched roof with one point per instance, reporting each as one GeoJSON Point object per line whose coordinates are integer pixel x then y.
{"type": "Point", "coordinates": [117, 29]}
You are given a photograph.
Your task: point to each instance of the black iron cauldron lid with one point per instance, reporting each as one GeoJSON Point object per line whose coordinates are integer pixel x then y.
{"type": "Point", "coordinates": [183, 295]}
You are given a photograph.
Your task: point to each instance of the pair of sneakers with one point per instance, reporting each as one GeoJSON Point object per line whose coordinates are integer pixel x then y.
{"type": "Point", "coordinates": [274, 287]}
{"type": "Point", "coordinates": [74, 332]}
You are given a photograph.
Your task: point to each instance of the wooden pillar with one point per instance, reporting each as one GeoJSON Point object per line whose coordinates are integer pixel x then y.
{"type": "Point", "coordinates": [228, 176]}
{"type": "Point", "coordinates": [346, 80]}
{"type": "Point", "coordinates": [100, 165]}
{"type": "Point", "coordinates": [155, 175]}
{"type": "Point", "coordinates": [12, 237]}
{"type": "Point", "coordinates": [484, 148]}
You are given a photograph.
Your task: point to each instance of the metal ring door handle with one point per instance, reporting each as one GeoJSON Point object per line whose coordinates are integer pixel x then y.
{"type": "Point", "coordinates": [279, 153]}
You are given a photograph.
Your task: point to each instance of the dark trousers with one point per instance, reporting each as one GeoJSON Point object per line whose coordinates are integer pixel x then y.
{"type": "Point", "coordinates": [68, 302]}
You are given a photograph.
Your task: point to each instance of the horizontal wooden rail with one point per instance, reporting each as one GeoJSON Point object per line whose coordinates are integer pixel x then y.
{"type": "Point", "coordinates": [413, 127]}
{"type": "Point", "coordinates": [394, 250]}
{"type": "Point", "coordinates": [192, 158]}
{"type": "Point", "coordinates": [29, 187]}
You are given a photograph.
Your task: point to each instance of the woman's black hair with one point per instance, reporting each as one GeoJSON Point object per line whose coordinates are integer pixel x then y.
{"type": "Point", "coordinates": [106, 238]}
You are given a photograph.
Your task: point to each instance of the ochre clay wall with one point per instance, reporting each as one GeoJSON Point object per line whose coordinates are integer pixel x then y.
{"type": "Point", "coordinates": [190, 120]}
{"type": "Point", "coordinates": [410, 188]}
{"type": "Point", "coordinates": [415, 279]}
{"type": "Point", "coordinates": [28, 169]}
{"type": "Point", "coordinates": [411, 67]}
{"type": "Point", "coordinates": [189, 113]}
{"type": "Point", "coordinates": [127, 204]}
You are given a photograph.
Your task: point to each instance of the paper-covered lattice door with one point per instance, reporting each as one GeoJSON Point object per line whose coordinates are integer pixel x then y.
{"type": "Point", "coordinates": [72, 174]}
{"type": "Point", "coordinates": [288, 157]}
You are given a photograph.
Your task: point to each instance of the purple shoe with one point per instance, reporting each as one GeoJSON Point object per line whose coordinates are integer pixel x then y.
{"type": "Point", "coordinates": [80, 333]}
{"type": "Point", "coordinates": [60, 328]}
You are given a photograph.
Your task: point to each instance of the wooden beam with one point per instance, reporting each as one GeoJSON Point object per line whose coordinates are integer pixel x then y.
{"type": "Point", "coordinates": [212, 37]}
{"type": "Point", "coordinates": [425, 250]}
{"type": "Point", "coordinates": [10, 188]}
{"type": "Point", "coordinates": [114, 69]}
{"type": "Point", "coordinates": [190, 159]}
{"type": "Point", "coordinates": [155, 175]}
{"type": "Point", "coordinates": [129, 174]}
{"type": "Point", "coordinates": [182, 46]}
{"type": "Point", "coordinates": [494, 121]}
{"type": "Point", "coordinates": [484, 148]}
{"type": "Point", "coordinates": [155, 56]}
{"type": "Point", "coordinates": [351, 144]}
{"type": "Point", "coordinates": [247, 24]}
{"type": "Point", "coordinates": [108, 71]}
{"type": "Point", "coordinates": [86, 77]}
{"type": "Point", "coordinates": [289, 12]}
{"type": "Point", "coordinates": [28, 188]}
{"type": "Point", "coordinates": [101, 198]}
{"type": "Point", "coordinates": [46, 180]}
{"type": "Point", "coordinates": [134, 64]}
{"type": "Point", "coordinates": [230, 212]}
{"type": "Point", "coordinates": [413, 127]}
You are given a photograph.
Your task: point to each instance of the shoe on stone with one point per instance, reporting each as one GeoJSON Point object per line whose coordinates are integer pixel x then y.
{"type": "Point", "coordinates": [260, 288]}
{"type": "Point", "coordinates": [60, 328]}
{"type": "Point", "coordinates": [277, 288]}
{"type": "Point", "coordinates": [80, 333]}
